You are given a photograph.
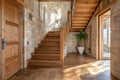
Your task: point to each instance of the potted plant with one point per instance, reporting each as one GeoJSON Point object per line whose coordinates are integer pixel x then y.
{"type": "Point", "coordinates": [81, 36]}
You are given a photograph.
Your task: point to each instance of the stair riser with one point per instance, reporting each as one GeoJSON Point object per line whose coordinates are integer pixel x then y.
{"type": "Point", "coordinates": [49, 46]}
{"type": "Point", "coordinates": [47, 52]}
{"type": "Point", "coordinates": [50, 37]}
{"type": "Point", "coordinates": [45, 64]}
{"type": "Point", "coordinates": [53, 34]}
{"type": "Point", "coordinates": [51, 40]}
{"type": "Point", "coordinates": [55, 42]}
{"type": "Point", "coordinates": [47, 49]}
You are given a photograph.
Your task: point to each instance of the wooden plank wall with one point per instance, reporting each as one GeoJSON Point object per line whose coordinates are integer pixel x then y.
{"type": "Point", "coordinates": [1, 24]}
{"type": "Point", "coordinates": [94, 25]}
{"type": "Point", "coordinates": [115, 39]}
{"type": "Point", "coordinates": [0, 40]}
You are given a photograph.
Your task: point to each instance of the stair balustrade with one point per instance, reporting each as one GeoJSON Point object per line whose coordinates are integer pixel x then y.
{"type": "Point", "coordinates": [64, 33]}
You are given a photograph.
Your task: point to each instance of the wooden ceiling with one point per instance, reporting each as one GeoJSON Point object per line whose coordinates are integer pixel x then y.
{"type": "Point", "coordinates": [83, 12]}
{"type": "Point", "coordinates": [53, 0]}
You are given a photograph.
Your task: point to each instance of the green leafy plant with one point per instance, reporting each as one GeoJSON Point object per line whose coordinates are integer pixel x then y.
{"type": "Point", "coordinates": [81, 36]}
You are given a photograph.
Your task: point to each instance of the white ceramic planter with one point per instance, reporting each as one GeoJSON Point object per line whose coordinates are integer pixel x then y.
{"type": "Point", "coordinates": [81, 50]}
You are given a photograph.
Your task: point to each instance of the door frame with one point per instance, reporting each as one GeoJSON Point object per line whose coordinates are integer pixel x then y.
{"type": "Point", "coordinates": [100, 12]}
{"type": "Point", "coordinates": [100, 37]}
{"type": "Point", "coordinates": [21, 43]}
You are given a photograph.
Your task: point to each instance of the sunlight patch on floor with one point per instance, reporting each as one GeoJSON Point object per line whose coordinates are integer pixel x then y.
{"type": "Point", "coordinates": [99, 67]}
{"type": "Point", "coordinates": [90, 70]}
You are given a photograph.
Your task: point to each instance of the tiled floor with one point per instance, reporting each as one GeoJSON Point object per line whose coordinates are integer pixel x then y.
{"type": "Point", "coordinates": [76, 68]}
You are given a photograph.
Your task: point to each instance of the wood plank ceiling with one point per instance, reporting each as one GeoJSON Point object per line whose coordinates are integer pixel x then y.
{"type": "Point", "coordinates": [53, 0]}
{"type": "Point", "coordinates": [83, 12]}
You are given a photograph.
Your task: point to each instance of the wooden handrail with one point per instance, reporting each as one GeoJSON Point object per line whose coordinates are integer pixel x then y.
{"type": "Point", "coordinates": [64, 33]}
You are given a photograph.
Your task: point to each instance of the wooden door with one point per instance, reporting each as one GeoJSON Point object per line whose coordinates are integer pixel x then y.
{"type": "Point", "coordinates": [11, 38]}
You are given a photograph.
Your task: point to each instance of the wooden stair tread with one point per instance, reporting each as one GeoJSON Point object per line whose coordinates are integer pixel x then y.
{"type": "Point", "coordinates": [44, 63]}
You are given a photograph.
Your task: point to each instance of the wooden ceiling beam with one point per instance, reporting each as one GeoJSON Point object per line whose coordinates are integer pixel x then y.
{"type": "Point", "coordinates": [78, 22]}
{"type": "Point", "coordinates": [83, 18]}
{"type": "Point", "coordinates": [83, 12]}
{"type": "Point", "coordinates": [75, 23]}
{"type": "Point", "coordinates": [54, 0]}
{"type": "Point", "coordinates": [84, 9]}
{"type": "Point", "coordinates": [86, 4]}
{"type": "Point", "coordinates": [78, 27]}
{"type": "Point", "coordinates": [88, 1]}
{"type": "Point", "coordinates": [80, 19]}
{"type": "Point", "coordinates": [82, 15]}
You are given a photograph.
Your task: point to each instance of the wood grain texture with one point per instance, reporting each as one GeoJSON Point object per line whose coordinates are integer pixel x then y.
{"type": "Point", "coordinates": [54, 0]}
{"type": "Point", "coordinates": [76, 67]}
{"type": "Point", "coordinates": [10, 55]}
{"type": "Point", "coordinates": [83, 11]}
{"type": "Point", "coordinates": [1, 24]}
{"type": "Point", "coordinates": [64, 33]}
{"type": "Point", "coordinates": [47, 54]}
{"type": "Point", "coordinates": [21, 2]}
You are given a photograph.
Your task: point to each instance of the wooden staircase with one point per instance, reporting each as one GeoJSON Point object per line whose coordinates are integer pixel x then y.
{"type": "Point", "coordinates": [47, 54]}
{"type": "Point", "coordinates": [50, 53]}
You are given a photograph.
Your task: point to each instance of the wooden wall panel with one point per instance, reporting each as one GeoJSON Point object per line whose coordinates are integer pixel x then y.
{"type": "Point", "coordinates": [0, 40]}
